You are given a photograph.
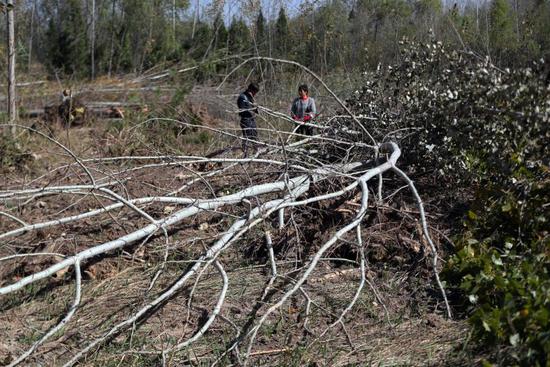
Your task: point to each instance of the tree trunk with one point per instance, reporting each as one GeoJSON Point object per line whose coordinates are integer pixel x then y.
{"type": "Point", "coordinates": [145, 51]}
{"type": "Point", "coordinates": [195, 19]}
{"type": "Point", "coordinates": [477, 17]}
{"type": "Point", "coordinates": [325, 51]}
{"type": "Point", "coordinates": [31, 34]}
{"type": "Point", "coordinates": [487, 29]}
{"type": "Point", "coordinates": [11, 65]}
{"type": "Point", "coordinates": [93, 41]}
{"type": "Point", "coordinates": [174, 23]}
{"type": "Point", "coordinates": [518, 34]}
{"type": "Point", "coordinates": [112, 51]}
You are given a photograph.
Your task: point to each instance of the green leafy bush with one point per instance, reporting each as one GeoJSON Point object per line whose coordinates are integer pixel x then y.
{"type": "Point", "coordinates": [463, 121]}
{"type": "Point", "coordinates": [502, 268]}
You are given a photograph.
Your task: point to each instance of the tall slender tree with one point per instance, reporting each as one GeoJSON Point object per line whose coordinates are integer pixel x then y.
{"type": "Point", "coordinates": [12, 112]}
{"type": "Point", "coordinates": [538, 29]}
{"type": "Point", "coordinates": [66, 38]}
{"type": "Point", "coordinates": [92, 41]}
{"type": "Point", "coordinates": [501, 32]}
{"type": "Point", "coordinates": [260, 32]}
{"type": "Point", "coordinates": [220, 32]}
{"type": "Point", "coordinates": [239, 36]}
{"type": "Point", "coordinates": [282, 34]}
{"type": "Point", "coordinates": [31, 34]}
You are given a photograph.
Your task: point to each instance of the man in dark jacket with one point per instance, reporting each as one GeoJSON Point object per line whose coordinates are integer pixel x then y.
{"type": "Point", "coordinates": [247, 108]}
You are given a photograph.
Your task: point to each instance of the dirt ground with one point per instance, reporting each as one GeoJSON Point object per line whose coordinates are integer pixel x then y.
{"type": "Point", "coordinates": [398, 319]}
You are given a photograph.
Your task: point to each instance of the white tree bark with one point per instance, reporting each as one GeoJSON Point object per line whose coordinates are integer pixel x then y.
{"type": "Point", "coordinates": [270, 187]}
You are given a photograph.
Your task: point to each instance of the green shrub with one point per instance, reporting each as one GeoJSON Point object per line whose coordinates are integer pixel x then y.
{"type": "Point", "coordinates": [502, 267]}
{"type": "Point", "coordinates": [473, 127]}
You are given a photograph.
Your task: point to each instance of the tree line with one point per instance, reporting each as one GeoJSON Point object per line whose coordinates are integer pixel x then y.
{"type": "Point", "coordinates": [87, 38]}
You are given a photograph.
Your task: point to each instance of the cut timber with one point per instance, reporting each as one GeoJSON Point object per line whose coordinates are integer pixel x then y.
{"type": "Point", "coordinates": [27, 84]}
{"type": "Point", "coordinates": [81, 113]}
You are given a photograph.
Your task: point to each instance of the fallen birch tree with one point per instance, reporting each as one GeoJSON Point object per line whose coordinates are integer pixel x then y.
{"type": "Point", "coordinates": [252, 198]}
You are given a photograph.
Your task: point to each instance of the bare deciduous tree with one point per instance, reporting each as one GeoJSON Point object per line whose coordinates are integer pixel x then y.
{"type": "Point", "coordinates": [12, 112]}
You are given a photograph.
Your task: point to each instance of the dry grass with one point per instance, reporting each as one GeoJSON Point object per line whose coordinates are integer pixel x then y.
{"type": "Point", "coordinates": [403, 339]}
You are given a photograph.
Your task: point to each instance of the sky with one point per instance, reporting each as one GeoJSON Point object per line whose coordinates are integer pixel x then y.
{"type": "Point", "coordinates": [271, 7]}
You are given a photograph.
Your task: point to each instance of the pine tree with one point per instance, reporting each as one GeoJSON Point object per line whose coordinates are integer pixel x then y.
{"type": "Point", "coordinates": [67, 40]}
{"type": "Point", "coordinates": [239, 36]}
{"type": "Point", "coordinates": [220, 40]}
{"type": "Point", "coordinates": [135, 28]}
{"type": "Point", "coordinates": [282, 34]}
{"type": "Point", "coordinates": [330, 25]}
{"type": "Point", "coordinates": [260, 32]}
{"type": "Point", "coordinates": [538, 40]}
{"type": "Point", "coordinates": [501, 33]}
{"type": "Point", "coordinates": [198, 46]}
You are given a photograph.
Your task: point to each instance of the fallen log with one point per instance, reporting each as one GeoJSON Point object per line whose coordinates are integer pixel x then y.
{"type": "Point", "coordinates": [103, 110]}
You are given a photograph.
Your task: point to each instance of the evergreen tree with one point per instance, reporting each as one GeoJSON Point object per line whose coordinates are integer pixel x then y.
{"type": "Point", "coordinates": [131, 35]}
{"type": "Point", "coordinates": [537, 36]}
{"type": "Point", "coordinates": [146, 33]}
{"type": "Point", "coordinates": [220, 32]}
{"type": "Point", "coordinates": [197, 47]}
{"type": "Point", "coordinates": [135, 29]}
{"type": "Point", "coordinates": [106, 20]}
{"type": "Point", "coordinates": [501, 33]}
{"type": "Point", "coordinates": [303, 29]}
{"type": "Point", "coordinates": [378, 25]}
{"type": "Point", "coordinates": [282, 34]}
{"type": "Point", "coordinates": [66, 38]}
{"type": "Point", "coordinates": [331, 23]}
{"type": "Point", "coordinates": [260, 32]}
{"type": "Point", "coordinates": [239, 36]}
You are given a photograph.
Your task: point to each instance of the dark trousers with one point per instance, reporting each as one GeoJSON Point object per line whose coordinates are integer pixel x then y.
{"type": "Point", "coordinates": [305, 130]}
{"type": "Point", "coordinates": [250, 134]}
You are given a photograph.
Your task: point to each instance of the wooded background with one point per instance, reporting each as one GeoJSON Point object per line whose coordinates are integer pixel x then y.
{"type": "Point", "coordinates": [88, 38]}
